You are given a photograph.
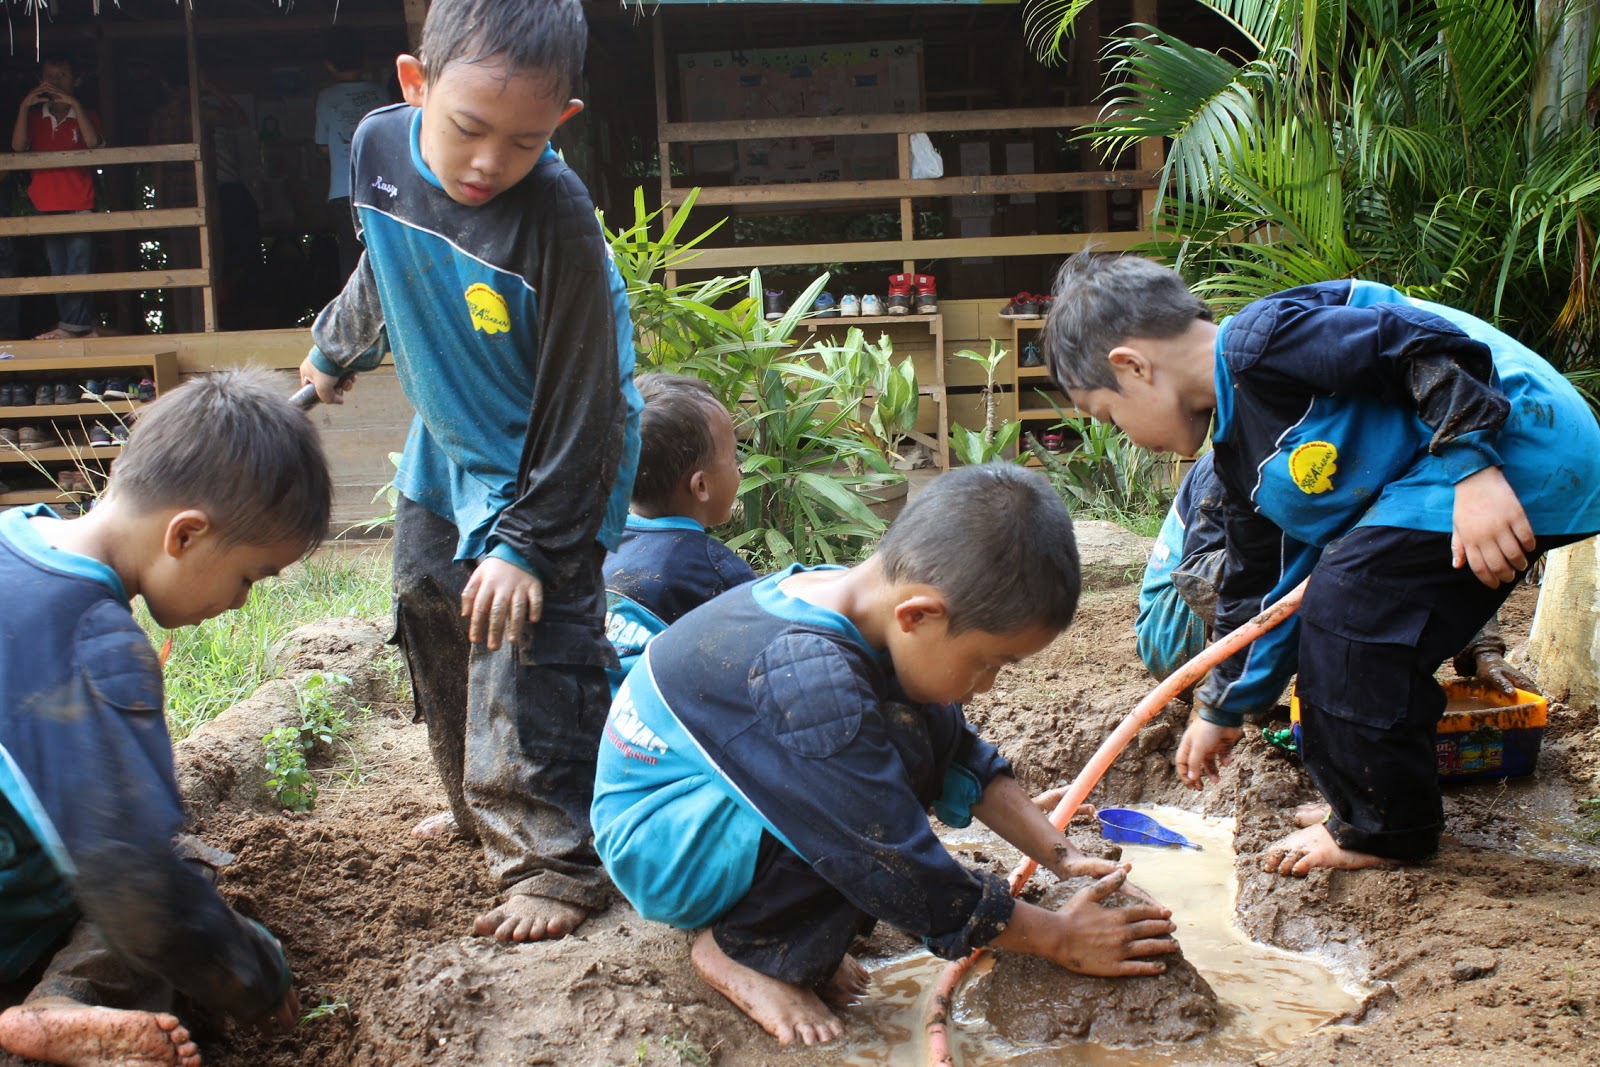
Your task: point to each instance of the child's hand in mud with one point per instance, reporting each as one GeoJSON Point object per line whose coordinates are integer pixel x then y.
{"type": "Point", "coordinates": [501, 599]}
{"type": "Point", "coordinates": [1090, 938]}
{"type": "Point", "coordinates": [1492, 669]}
{"type": "Point", "coordinates": [1205, 749]}
{"type": "Point", "coordinates": [1489, 530]}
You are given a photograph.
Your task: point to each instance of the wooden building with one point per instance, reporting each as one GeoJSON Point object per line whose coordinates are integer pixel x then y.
{"type": "Point", "coordinates": [813, 127]}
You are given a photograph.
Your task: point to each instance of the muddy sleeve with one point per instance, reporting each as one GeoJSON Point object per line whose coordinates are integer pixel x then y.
{"type": "Point", "coordinates": [1261, 563]}
{"type": "Point", "coordinates": [117, 814]}
{"type": "Point", "coordinates": [348, 334]}
{"type": "Point", "coordinates": [1395, 353]}
{"type": "Point", "coordinates": [575, 430]}
{"type": "Point", "coordinates": [823, 768]}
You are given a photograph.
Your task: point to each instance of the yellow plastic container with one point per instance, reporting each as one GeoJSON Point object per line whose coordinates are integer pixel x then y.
{"type": "Point", "coordinates": [1484, 733]}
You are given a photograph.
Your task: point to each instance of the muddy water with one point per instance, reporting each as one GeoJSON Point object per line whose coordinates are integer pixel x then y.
{"type": "Point", "coordinates": [1273, 997]}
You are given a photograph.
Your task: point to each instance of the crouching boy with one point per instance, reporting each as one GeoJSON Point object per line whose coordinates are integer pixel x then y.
{"type": "Point", "coordinates": [767, 767]}
{"type": "Point", "coordinates": [104, 912]}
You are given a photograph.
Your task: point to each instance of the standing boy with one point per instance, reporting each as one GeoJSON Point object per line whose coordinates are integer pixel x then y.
{"type": "Point", "coordinates": [1409, 458]}
{"type": "Point", "coordinates": [512, 339]}
{"type": "Point", "coordinates": [104, 907]}
{"type": "Point", "coordinates": [340, 108]}
{"type": "Point", "coordinates": [688, 480]}
{"type": "Point", "coordinates": [768, 764]}
{"type": "Point", "coordinates": [50, 119]}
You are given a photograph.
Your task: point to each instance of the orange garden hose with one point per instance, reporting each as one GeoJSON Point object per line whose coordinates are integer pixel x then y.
{"type": "Point", "coordinates": [936, 1018]}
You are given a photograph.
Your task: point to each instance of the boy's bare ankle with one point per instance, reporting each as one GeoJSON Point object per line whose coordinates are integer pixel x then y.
{"type": "Point", "coordinates": [787, 1012]}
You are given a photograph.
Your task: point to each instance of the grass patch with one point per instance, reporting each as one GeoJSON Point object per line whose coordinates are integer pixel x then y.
{"type": "Point", "coordinates": [223, 660]}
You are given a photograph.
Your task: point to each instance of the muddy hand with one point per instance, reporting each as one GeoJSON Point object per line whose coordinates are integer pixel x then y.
{"type": "Point", "coordinates": [1492, 668]}
{"type": "Point", "coordinates": [501, 599]}
{"type": "Point", "coordinates": [1111, 942]}
{"type": "Point", "coordinates": [1205, 749]}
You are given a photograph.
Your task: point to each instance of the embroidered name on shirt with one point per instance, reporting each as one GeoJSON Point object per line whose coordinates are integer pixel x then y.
{"type": "Point", "coordinates": [1312, 466]}
{"type": "Point", "coordinates": [487, 309]}
{"type": "Point", "coordinates": [379, 184]}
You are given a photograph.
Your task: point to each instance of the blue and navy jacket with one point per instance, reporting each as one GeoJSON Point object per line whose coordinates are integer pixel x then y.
{"type": "Point", "coordinates": [760, 712]}
{"type": "Point", "coordinates": [1171, 630]}
{"type": "Point", "coordinates": [512, 340]}
{"type": "Point", "coordinates": [1347, 403]}
{"type": "Point", "coordinates": [89, 804]}
{"type": "Point", "coordinates": [663, 569]}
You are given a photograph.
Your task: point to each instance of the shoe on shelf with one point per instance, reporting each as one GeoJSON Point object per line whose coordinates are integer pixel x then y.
{"type": "Point", "coordinates": [146, 389]}
{"type": "Point", "coordinates": [93, 389]}
{"type": "Point", "coordinates": [44, 393]}
{"type": "Point", "coordinates": [8, 437]}
{"type": "Point", "coordinates": [1054, 441]}
{"type": "Point", "coordinates": [1031, 356]}
{"type": "Point", "coordinates": [100, 437]}
{"type": "Point", "coordinates": [871, 305]}
{"type": "Point", "coordinates": [119, 389]}
{"type": "Point", "coordinates": [64, 393]}
{"type": "Point", "coordinates": [21, 395]}
{"type": "Point", "coordinates": [119, 433]}
{"type": "Point", "coordinates": [850, 306]}
{"type": "Point", "coordinates": [5, 395]}
{"type": "Point", "coordinates": [1021, 306]}
{"type": "Point", "coordinates": [31, 437]}
{"type": "Point", "coordinates": [825, 307]}
{"type": "Point", "coordinates": [927, 302]}
{"type": "Point", "coordinates": [772, 300]}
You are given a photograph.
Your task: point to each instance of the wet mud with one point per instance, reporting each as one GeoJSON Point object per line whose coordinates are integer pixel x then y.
{"type": "Point", "coordinates": [1483, 957]}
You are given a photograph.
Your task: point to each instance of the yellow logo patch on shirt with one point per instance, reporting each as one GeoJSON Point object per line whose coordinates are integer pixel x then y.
{"type": "Point", "coordinates": [1312, 466]}
{"type": "Point", "coordinates": [487, 309]}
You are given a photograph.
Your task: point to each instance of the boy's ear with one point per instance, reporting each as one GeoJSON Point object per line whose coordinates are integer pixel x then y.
{"type": "Point", "coordinates": [1126, 360]}
{"type": "Point", "coordinates": [698, 486]}
{"type": "Point", "coordinates": [919, 609]}
{"type": "Point", "coordinates": [413, 79]}
{"type": "Point", "coordinates": [184, 531]}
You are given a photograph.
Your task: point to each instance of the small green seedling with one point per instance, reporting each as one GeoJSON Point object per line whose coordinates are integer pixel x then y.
{"type": "Point", "coordinates": [322, 721]}
{"type": "Point", "coordinates": [326, 1010]}
{"type": "Point", "coordinates": [287, 774]}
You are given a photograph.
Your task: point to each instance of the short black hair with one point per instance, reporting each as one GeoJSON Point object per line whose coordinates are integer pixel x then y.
{"type": "Point", "coordinates": [674, 435]}
{"type": "Point", "coordinates": [343, 49]}
{"type": "Point", "coordinates": [996, 540]}
{"type": "Point", "coordinates": [539, 37]}
{"type": "Point", "coordinates": [232, 445]}
{"type": "Point", "coordinates": [1101, 300]}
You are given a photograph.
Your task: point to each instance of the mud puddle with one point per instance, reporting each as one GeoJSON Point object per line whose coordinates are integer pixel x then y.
{"type": "Point", "coordinates": [1273, 997]}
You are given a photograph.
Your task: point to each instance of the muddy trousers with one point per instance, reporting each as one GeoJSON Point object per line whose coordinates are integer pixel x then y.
{"type": "Point", "coordinates": [793, 925]}
{"type": "Point", "coordinates": [1383, 610]}
{"type": "Point", "coordinates": [513, 732]}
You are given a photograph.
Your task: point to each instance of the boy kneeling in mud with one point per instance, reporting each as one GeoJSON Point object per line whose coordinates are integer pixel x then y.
{"type": "Point", "coordinates": [1412, 460]}
{"type": "Point", "coordinates": [767, 766]}
{"type": "Point", "coordinates": [104, 907]}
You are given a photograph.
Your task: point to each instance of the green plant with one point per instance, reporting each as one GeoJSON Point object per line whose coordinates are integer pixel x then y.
{"type": "Point", "coordinates": [972, 447]}
{"type": "Point", "coordinates": [1106, 475]}
{"type": "Point", "coordinates": [859, 369]}
{"type": "Point", "coordinates": [1589, 819]}
{"type": "Point", "coordinates": [389, 493]}
{"type": "Point", "coordinates": [322, 721]}
{"type": "Point", "coordinates": [326, 1010]}
{"type": "Point", "coordinates": [1442, 147]}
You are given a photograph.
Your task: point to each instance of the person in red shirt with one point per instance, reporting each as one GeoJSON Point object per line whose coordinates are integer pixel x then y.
{"type": "Point", "coordinates": [50, 119]}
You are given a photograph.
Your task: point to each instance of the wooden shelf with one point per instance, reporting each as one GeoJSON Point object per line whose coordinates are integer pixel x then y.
{"type": "Point", "coordinates": [814, 323]}
{"type": "Point", "coordinates": [71, 453]}
{"type": "Point", "coordinates": [85, 407]}
{"type": "Point", "coordinates": [49, 495]}
{"type": "Point", "coordinates": [1033, 372]}
{"type": "Point", "coordinates": [53, 364]}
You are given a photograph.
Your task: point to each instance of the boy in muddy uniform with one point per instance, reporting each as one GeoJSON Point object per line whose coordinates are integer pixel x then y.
{"type": "Point", "coordinates": [769, 762]}
{"type": "Point", "coordinates": [105, 909]}
{"type": "Point", "coordinates": [1412, 460]}
{"type": "Point", "coordinates": [512, 339]}
{"type": "Point", "coordinates": [688, 480]}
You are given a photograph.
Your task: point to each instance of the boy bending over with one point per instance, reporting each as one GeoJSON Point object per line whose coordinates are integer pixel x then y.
{"type": "Point", "coordinates": [512, 340]}
{"type": "Point", "coordinates": [102, 904]}
{"type": "Point", "coordinates": [1408, 457]}
{"type": "Point", "coordinates": [768, 764]}
{"type": "Point", "coordinates": [688, 480]}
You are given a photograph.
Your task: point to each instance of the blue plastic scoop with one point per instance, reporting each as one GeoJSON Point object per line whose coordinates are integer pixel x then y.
{"type": "Point", "coordinates": [1136, 828]}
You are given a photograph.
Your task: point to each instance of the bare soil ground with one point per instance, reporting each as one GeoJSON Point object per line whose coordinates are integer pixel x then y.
{"type": "Point", "coordinates": [1486, 956]}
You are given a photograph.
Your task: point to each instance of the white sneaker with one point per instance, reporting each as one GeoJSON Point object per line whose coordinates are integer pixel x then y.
{"type": "Point", "coordinates": [850, 306]}
{"type": "Point", "coordinates": [871, 305]}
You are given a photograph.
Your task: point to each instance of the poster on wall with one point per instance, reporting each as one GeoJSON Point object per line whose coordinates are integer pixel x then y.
{"type": "Point", "coordinates": [864, 78]}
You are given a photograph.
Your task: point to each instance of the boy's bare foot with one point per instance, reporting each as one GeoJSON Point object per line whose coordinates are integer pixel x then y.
{"type": "Point", "coordinates": [1305, 850]}
{"type": "Point", "coordinates": [439, 824]}
{"type": "Point", "coordinates": [848, 985]}
{"type": "Point", "coordinates": [1311, 814]}
{"type": "Point", "coordinates": [785, 1011]}
{"type": "Point", "coordinates": [529, 918]}
{"type": "Point", "coordinates": [81, 1036]}
{"type": "Point", "coordinates": [58, 334]}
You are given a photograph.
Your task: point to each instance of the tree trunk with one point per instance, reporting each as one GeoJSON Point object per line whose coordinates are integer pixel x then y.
{"type": "Point", "coordinates": [1564, 647]}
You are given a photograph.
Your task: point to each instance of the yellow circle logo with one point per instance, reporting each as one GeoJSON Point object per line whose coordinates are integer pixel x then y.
{"type": "Point", "coordinates": [487, 309]}
{"type": "Point", "coordinates": [1312, 466]}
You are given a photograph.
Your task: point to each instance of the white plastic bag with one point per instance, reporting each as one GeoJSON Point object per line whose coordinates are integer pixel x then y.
{"type": "Point", "coordinates": [925, 159]}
